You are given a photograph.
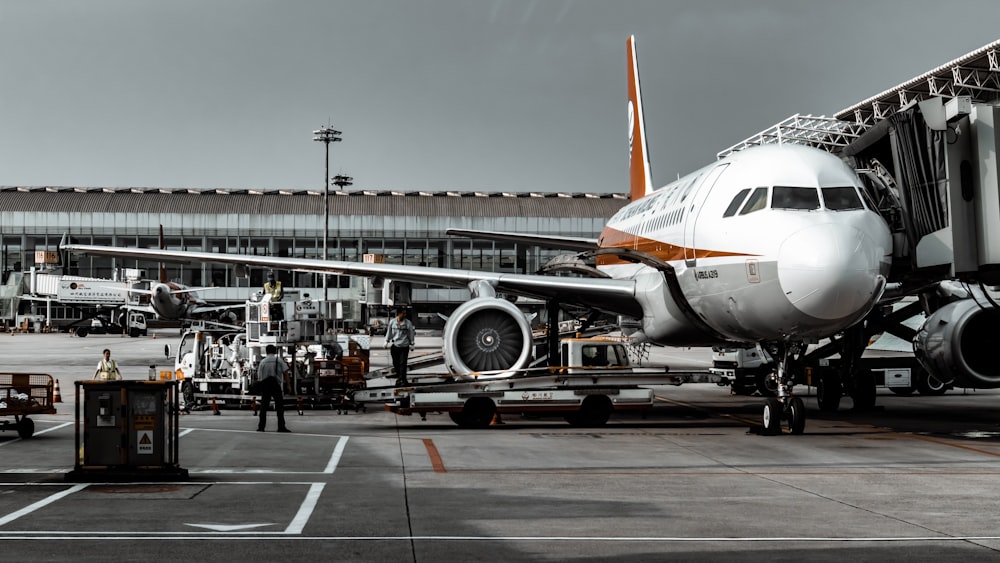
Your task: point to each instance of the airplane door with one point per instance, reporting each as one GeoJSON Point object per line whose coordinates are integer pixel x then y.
{"type": "Point", "coordinates": [694, 210]}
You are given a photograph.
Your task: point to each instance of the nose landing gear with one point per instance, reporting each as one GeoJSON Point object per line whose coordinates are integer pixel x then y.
{"type": "Point", "coordinates": [784, 406]}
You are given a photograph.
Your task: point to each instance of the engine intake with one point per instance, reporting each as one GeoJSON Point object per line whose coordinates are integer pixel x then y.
{"type": "Point", "coordinates": [487, 334]}
{"type": "Point", "coordinates": [956, 345]}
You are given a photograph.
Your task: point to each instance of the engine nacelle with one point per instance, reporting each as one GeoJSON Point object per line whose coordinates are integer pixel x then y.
{"type": "Point", "coordinates": [487, 334]}
{"type": "Point", "coordinates": [956, 345]}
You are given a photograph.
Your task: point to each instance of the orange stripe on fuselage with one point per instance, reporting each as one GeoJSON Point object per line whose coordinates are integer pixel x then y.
{"type": "Point", "coordinates": [613, 238]}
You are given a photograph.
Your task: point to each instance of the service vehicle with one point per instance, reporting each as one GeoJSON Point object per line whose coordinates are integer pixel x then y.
{"type": "Point", "coordinates": [596, 379]}
{"type": "Point", "coordinates": [218, 365]}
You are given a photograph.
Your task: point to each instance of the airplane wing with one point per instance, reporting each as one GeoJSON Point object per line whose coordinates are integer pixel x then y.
{"type": "Point", "coordinates": [203, 309]}
{"type": "Point", "coordinates": [564, 243]}
{"type": "Point", "coordinates": [609, 295]}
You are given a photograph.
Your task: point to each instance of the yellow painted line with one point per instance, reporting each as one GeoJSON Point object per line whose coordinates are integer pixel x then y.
{"type": "Point", "coordinates": [432, 452]}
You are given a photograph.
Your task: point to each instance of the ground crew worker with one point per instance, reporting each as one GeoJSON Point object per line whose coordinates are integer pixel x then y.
{"type": "Point", "coordinates": [271, 374]}
{"type": "Point", "coordinates": [400, 338]}
{"type": "Point", "coordinates": [107, 369]}
{"type": "Point", "coordinates": [273, 288]}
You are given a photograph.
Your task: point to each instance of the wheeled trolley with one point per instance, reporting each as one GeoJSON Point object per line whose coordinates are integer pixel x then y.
{"type": "Point", "coordinates": [23, 394]}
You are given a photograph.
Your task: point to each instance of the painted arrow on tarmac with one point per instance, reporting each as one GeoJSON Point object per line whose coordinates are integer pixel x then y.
{"type": "Point", "coordinates": [228, 527]}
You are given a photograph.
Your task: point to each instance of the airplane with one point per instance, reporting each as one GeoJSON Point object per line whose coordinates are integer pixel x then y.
{"type": "Point", "coordinates": [773, 245]}
{"type": "Point", "coordinates": [174, 301]}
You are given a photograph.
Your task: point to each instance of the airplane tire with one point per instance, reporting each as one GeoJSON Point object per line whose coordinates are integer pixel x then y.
{"type": "Point", "coordinates": [929, 385]}
{"type": "Point", "coordinates": [864, 390]}
{"type": "Point", "coordinates": [828, 393]}
{"type": "Point", "coordinates": [772, 416]}
{"type": "Point", "coordinates": [765, 385]}
{"type": "Point", "coordinates": [797, 416]}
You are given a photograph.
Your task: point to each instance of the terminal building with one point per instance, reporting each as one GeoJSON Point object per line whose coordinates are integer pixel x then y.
{"type": "Point", "coordinates": [394, 227]}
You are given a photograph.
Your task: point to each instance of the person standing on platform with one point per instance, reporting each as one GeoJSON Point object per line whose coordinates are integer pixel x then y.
{"type": "Point", "coordinates": [271, 374]}
{"type": "Point", "coordinates": [400, 338]}
{"type": "Point", "coordinates": [273, 288]}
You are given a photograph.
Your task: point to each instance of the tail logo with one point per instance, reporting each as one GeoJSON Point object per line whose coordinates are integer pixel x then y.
{"type": "Point", "coordinates": [631, 128]}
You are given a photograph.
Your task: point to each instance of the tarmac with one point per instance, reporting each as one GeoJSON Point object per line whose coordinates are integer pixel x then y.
{"type": "Point", "coordinates": [916, 479]}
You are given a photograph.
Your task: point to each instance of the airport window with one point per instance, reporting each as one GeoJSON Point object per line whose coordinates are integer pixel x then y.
{"type": "Point", "coordinates": [785, 197]}
{"type": "Point", "coordinates": [842, 198]}
{"type": "Point", "coordinates": [735, 204]}
{"type": "Point", "coordinates": [756, 202]}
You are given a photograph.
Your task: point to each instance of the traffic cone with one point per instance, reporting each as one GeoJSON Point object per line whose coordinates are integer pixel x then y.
{"type": "Point", "coordinates": [215, 407]}
{"type": "Point", "coordinates": [253, 405]}
{"type": "Point", "coordinates": [56, 395]}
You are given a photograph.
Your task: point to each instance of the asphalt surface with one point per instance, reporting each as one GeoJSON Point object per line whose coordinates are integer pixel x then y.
{"type": "Point", "coordinates": [915, 479]}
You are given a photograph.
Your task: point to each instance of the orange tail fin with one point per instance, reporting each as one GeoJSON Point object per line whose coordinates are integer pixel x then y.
{"type": "Point", "coordinates": [640, 182]}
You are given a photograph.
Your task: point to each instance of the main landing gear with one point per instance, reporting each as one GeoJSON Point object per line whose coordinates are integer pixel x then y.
{"type": "Point", "coordinates": [784, 406]}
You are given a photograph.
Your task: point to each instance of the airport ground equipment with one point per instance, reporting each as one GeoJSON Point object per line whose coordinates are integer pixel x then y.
{"type": "Point", "coordinates": [750, 370]}
{"type": "Point", "coordinates": [127, 431]}
{"type": "Point", "coordinates": [598, 379]}
{"type": "Point", "coordinates": [221, 364]}
{"type": "Point", "coordinates": [21, 395]}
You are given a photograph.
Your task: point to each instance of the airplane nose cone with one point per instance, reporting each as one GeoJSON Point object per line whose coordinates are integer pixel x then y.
{"type": "Point", "coordinates": [831, 272]}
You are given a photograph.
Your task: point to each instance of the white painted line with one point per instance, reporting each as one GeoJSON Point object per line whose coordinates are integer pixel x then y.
{"type": "Point", "coordinates": [40, 504]}
{"type": "Point", "coordinates": [283, 537]}
{"type": "Point", "coordinates": [305, 510]}
{"type": "Point", "coordinates": [337, 452]}
{"type": "Point", "coordinates": [186, 432]}
{"type": "Point", "coordinates": [63, 425]}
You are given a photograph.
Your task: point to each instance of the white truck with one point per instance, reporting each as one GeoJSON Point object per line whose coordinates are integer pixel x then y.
{"type": "Point", "coordinates": [595, 379]}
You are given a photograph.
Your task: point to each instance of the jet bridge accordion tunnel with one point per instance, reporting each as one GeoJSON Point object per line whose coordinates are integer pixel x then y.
{"type": "Point", "coordinates": [127, 431]}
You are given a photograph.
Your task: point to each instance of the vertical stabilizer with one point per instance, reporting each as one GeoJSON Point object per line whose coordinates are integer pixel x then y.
{"type": "Point", "coordinates": [640, 182]}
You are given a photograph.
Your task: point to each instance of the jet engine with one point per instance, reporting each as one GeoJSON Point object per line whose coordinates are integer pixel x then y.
{"type": "Point", "coordinates": [487, 334]}
{"type": "Point", "coordinates": [956, 344]}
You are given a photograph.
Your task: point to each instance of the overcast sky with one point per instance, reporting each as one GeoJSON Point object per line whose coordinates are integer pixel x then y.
{"type": "Point", "coordinates": [484, 95]}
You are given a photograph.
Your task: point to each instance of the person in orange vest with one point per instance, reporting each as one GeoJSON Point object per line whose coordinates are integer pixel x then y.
{"type": "Point", "coordinates": [107, 369]}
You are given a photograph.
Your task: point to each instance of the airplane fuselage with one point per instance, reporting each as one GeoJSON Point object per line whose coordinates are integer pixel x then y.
{"type": "Point", "coordinates": [772, 243]}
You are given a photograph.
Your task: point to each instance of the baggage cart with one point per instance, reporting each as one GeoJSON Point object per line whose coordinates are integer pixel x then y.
{"type": "Point", "coordinates": [23, 394]}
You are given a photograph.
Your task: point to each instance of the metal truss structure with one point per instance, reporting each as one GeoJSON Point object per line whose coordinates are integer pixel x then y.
{"type": "Point", "coordinates": [976, 74]}
{"type": "Point", "coordinates": [815, 131]}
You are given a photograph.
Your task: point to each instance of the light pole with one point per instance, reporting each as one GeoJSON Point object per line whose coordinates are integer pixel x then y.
{"type": "Point", "coordinates": [326, 135]}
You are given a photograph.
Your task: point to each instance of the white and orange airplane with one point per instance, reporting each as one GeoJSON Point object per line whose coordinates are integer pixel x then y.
{"type": "Point", "coordinates": [773, 244]}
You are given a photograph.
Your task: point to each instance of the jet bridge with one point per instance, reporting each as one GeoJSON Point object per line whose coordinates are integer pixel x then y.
{"type": "Point", "coordinates": [927, 151]}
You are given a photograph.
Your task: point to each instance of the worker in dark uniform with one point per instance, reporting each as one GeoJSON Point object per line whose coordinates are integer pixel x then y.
{"type": "Point", "coordinates": [271, 374]}
{"type": "Point", "coordinates": [400, 338]}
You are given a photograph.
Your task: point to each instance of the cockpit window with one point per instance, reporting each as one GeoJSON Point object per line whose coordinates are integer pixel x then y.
{"type": "Point", "coordinates": [842, 199]}
{"type": "Point", "coordinates": [795, 198]}
{"type": "Point", "coordinates": [757, 201]}
{"type": "Point", "coordinates": [735, 204]}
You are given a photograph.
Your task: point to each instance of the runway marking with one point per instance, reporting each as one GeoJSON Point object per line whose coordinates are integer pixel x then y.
{"type": "Point", "coordinates": [305, 509]}
{"type": "Point", "coordinates": [39, 433]}
{"type": "Point", "coordinates": [432, 452]}
{"type": "Point", "coordinates": [707, 410]}
{"type": "Point", "coordinates": [40, 504]}
{"type": "Point", "coordinates": [284, 537]}
{"type": "Point", "coordinates": [337, 452]}
{"type": "Point", "coordinates": [952, 444]}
